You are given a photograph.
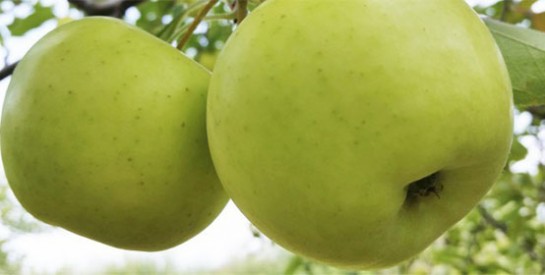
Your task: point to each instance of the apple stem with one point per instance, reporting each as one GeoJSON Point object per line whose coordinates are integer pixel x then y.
{"type": "Point", "coordinates": [241, 10]}
{"type": "Point", "coordinates": [196, 23]}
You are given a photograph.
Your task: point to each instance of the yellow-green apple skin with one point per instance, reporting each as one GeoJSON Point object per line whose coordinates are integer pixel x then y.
{"type": "Point", "coordinates": [104, 133]}
{"type": "Point", "coordinates": [322, 113]}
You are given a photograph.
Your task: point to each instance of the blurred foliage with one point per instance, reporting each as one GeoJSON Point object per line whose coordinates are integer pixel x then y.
{"type": "Point", "coordinates": [505, 234]}
{"type": "Point", "coordinates": [22, 24]}
{"type": "Point", "coordinates": [14, 222]}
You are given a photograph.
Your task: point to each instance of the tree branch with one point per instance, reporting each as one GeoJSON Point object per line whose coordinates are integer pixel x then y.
{"type": "Point", "coordinates": [116, 9]}
{"type": "Point", "coordinates": [196, 23]}
{"type": "Point", "coordinates": [491, 220]}
{"type": "Point", "coordinates": [8, 70]}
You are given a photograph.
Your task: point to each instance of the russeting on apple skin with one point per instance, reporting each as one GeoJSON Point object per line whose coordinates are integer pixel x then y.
{"type": "Point", "coordinates": [356, 132]}
{"type": "Point", "coordinates": [103, 133]}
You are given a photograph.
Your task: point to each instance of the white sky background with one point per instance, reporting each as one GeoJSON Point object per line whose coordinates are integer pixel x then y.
{"type": "Point", "coordinates": [228, 239]}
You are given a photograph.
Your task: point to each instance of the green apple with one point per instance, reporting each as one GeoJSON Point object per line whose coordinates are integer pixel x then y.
{"type": "Point", "coordinates": [357, 132]}
{"type": "Point", "coordinates": [104, 133]}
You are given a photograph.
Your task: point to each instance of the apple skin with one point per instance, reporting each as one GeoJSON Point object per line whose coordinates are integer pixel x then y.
{"type": "Point", "coordinates": [104, 134]}
{"type": "Point", "coordinates": [322, 113]}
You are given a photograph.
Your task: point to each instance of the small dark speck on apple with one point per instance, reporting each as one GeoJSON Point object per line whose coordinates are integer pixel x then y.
{"type": "Point", "coordinates": [70, 92]}
{"type": "Point", "coordinates": [137, 117]}
{"type": "Point", "coordinates": [169, 96]}
{"type": "Point", "coordinates": [129, 159]}
{"type": "Point", "coordinates": [186, 89]}
{"type": "Point", "coordinates": [183, 125]}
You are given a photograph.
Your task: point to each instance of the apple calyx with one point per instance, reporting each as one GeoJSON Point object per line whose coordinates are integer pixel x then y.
{"type": "Point", "coordinates": [423, 188]}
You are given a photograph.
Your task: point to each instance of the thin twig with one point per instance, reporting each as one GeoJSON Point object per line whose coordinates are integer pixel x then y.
{"type": "Point", "coordinates": [196, 23]}
{"type": "Point", "coordinates": [491, 220]}
{"type": "Point", "coordinates": [8, 70]}
{"type": "Point", "coordinates": [167, 32]}
{"type": "Point", "coordinates": [117, 9]}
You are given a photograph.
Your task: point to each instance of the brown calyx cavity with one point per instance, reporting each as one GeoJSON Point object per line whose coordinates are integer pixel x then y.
{"type": "Point", "coordinates": [424, 188]}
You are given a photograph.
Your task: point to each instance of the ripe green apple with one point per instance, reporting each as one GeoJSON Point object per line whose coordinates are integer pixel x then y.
{"type": "Point", "coordinates": [104, 133]}
{"type": "Point", "coordinates": [357, 132]}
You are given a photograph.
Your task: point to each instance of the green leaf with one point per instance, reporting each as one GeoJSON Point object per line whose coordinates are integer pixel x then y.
{"type": "Point", "coordinates": [21, 25]}
{"type": "Point", "coordinates": [518, 151]}
{"type": "Point", "coordinates": [524, 53]}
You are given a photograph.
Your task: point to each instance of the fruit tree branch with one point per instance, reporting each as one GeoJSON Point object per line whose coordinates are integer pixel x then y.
{"type": "Point", "coordinates": [115, 9]}
{"type": "Point", "coordinates": [8, 70]}
{"type": "Point", "coordinates": [491, 220]}
{"type": "Point", "coordinates": [196, 23]}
